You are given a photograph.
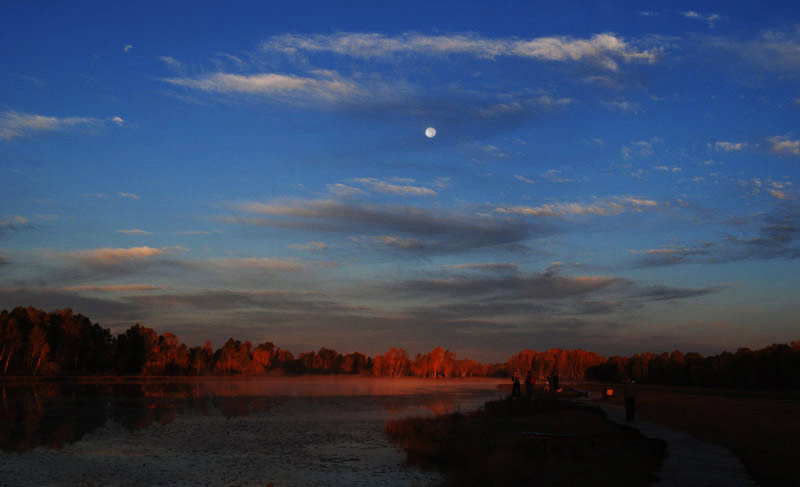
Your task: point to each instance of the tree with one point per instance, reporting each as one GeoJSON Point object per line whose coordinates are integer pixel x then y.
{"type": "Point", "coordinates": [134, 348]}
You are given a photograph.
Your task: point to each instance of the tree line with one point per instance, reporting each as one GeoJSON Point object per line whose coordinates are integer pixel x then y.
{"type": "Point", "coordinates": [39, 343]}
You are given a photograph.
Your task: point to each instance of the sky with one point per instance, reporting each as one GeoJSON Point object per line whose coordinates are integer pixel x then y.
{"type": "Point", "coordinates": [615, 176]}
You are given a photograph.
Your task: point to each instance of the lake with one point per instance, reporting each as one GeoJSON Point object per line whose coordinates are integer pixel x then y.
{"type": "Point", "coordinates": [219, 431]}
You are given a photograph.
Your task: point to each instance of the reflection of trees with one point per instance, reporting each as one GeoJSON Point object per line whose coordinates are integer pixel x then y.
{"type": "Point", "coordinates": [53, 415]}
{"type": "Point", "coordinates": [46, 414]}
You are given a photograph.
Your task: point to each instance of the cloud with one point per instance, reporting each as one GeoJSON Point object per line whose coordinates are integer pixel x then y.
{"type": "Point", "coordinates": [668, 255]}
{"type": "Point", "coordinates": [256, 263]}
{"type": "Point", "coordinates": [774, 238]}
{"type": "Point", "coordinates": [16, 124]}
{"type": "Point", "coordinates": [130, 196]}
{"type": "Point", "coordinates": [302, 305]}
{"type": "Point", "coordinates": [171, 63]}
{"type": "Point", "coordinates": [553, 176]}
{"type": "Point", "coordinates": [518, 107]}
{"type": "Point", "coordinates": [33, 80]}
{"type": "Point", "coordinates": [664, 293]}
{"type": "Point", "coordinates": [314, 246]}
{"type": "Point", "coordinates": [200, 232]}
{"type": "Point", "coordinates": [710, 19]}
{"type": "Point", "coordinates": [614, 206]}
{"type": "Point", "coordinates": [321, 86]}
{"type": "Point", "coordinates": [489, 266]}
{"type": "Point", "coordinates": [401, 243]}
{"type": "Point", "coordinates": [114, 288]}
{"type": "Point", "coordinates": [622, 106]}
{"type": "Point", "coordinates": [127, 47]}
{"type": "Point", "coordinates": [112, 257]}
{"type": "Point", "coordinates": [782, 144]}
{"type": "Point", "coordinates": [778, 194]}
{"type": "Point", "coordinates": [384, 187]}
{"type": "Point", "coordinates": [117, 120]}
{"type": "Point", "coordinates": [102, 310]}
{"type": "Point", "coordinates": [640, 148]}
{"type": "Point", "coordinates": [343, 190]}
{"type": "Point", "coordinates": [450, 231]}
{"type": "Point", "coordinates": [546, 285]}
{"type": "Point", "coordinates": [728, 146]}
{"type": "Point", "coordinates": [603, 50]}
{"type": "Point", "coordinates": [524, 179]}
{"type": "Point", "coordinates": [135, 231]}
{"type": "Point", "coordinates": [13, 222]}
{"type": "Point", "coordinates": [667, 168]}
{"type": "Point", "coordinates": [531, 298]}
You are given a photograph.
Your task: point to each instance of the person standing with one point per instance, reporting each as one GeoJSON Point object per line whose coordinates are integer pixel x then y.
{"type": "Point", "coordinates": [515, 392]}
{"type": "Point", "coordinates": [529, 381]}
{"type": "Point", "coordinates": [630, 392]}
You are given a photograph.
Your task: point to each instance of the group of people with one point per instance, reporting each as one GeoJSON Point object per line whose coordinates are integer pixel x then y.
{"type": "Point", "coordinates": [629, 391]}
{"type": "Point", "coordinates": [516, 390]}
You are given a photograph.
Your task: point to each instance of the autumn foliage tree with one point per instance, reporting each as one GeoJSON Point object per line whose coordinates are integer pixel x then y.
{"type": "Point", "coordinates": [37, 343]}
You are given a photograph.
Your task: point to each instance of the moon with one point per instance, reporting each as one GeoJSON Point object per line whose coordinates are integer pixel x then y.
{"type": "Point", "coordinates": [430, 132]}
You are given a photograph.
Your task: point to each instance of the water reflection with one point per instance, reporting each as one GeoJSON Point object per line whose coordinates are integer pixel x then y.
{"type": "Point", "coordinates": [55, 414]}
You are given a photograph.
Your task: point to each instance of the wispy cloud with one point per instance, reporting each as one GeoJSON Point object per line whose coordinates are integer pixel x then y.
{"type": "Point", "coordinates": [782, 144]}
{"type": "Point", "coordinates": [16, 124]}
{"type": "Point", "coordinates": [450, 231]}
{"type": "Point", "coordinates": [519, 177]}
{"type": "Point", "coordinates": [109, 257]}
{"type": "Point", "coordinates": [728, 146]}
{"type": "Point", "coordinates": [710, 19]}
{"type": "Point", "coordinates": [257, 263]}
{"type": "Point", "coordinates": [343, 190]}
{"type": "Point", "coordinates": [114, 288]}
{"type": "Point", "coordinates": [640, 148]}
{"type": "Point", "coordinates": [399, 189]}
{"type": "Point", "coordinates": [668, 255]}
{"type": "Point", "coordinates": [321, 85]}
{"type": "Point", "coordinates": [134, 231]}
{"type": "Point", "coordinates": [313, 246]}
{"type": "Point", "coordinates": [171, 63]}
{"type": "Point", "coordinates": [127, 47]}
{"type": "Point", "coordinates": [608, 207]}
{"type": "Point", "coordinates": [130, 196]}
{"type": "Point", "coordinates": [13, 222]}
{"type": "Point", "coordinates": [604, 50]}
{"type": "Point", "coordinates": [622, 106]}
{"type": "Point", "coordinates": [488, 266]}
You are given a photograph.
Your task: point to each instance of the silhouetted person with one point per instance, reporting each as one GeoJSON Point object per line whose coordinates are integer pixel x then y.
{"type": "Point", "coordinates": [515, 391]}
{"type": "Point", "coordinates": [554, 381]}
{"type": "Point", "coordinates": [630, 392]}
{"type": "Point", "coordinates": [529, 381]}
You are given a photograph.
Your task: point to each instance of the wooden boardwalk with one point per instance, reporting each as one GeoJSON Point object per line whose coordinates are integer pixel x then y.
{"type": "Point", "coordinates": [691, 462]}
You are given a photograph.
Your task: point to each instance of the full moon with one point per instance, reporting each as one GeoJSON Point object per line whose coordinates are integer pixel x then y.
{"type": "Point", "coordinates": [430, 132]}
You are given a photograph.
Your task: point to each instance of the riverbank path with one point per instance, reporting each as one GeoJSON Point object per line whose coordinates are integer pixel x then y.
{"type": "Point", "coordinates": [691, 462]}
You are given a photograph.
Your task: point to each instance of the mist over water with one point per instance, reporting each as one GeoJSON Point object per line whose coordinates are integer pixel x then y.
{"type": "Point", "coordinates": [290, 431]}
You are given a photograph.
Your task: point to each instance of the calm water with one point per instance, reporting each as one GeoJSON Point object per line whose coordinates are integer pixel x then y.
{"type": "Point", "coordinates": [307, 431]}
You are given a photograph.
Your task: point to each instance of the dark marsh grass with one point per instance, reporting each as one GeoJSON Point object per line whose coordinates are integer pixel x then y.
{"type": "Point", "coordinates": [487, 447]}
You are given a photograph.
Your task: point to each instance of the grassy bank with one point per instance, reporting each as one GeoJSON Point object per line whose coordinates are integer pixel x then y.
{"type": "Point", "coordinates": [488, 447]}
{"type": "Point", "coordinates": [761, 428]}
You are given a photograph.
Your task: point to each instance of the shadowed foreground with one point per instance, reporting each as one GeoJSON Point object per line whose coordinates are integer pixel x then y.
{"type": "Point", "coordinates": [509, 442]}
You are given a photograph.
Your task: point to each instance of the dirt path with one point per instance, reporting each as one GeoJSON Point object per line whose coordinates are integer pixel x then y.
{"type": "Point", "coordinates": [691, 462]}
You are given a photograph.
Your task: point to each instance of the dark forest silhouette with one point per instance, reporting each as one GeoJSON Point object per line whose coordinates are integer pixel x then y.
{"type": "Point", "coordinates": [60, 343]}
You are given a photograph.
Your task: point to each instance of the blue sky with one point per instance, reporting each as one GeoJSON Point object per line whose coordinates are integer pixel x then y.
{"type": "Point", "coordinates": [615, 177]}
